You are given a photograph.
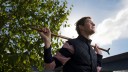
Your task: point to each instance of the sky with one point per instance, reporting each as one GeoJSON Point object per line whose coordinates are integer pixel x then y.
{"type": "Point", "coordinates": [111, 19]}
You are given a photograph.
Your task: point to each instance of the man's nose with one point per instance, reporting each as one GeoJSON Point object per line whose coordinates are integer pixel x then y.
{"type": "Point", "coordinates": [93, 24]}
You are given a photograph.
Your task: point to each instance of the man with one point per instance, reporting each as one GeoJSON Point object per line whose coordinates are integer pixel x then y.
{"type": "Point", "coordinates": [76, 55]}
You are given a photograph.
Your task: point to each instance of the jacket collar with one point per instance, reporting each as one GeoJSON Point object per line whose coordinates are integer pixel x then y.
{"type": "Point", "coordinates": [84, 39]}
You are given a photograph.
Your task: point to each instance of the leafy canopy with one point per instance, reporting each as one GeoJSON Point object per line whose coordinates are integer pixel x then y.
{"type": "Point", "coordinates": [21, 48]}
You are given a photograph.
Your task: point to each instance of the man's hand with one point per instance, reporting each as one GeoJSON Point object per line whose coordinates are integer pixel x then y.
{"type": "Point", "coordinates": [45, 34]}
{"type": "Point", "coordinates": [99, 69]}
{"type": "Point", "coordinates": [96, 48]}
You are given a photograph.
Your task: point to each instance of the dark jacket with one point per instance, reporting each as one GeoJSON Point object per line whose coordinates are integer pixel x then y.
{"type": "Point", "coordinates": [84, 58]}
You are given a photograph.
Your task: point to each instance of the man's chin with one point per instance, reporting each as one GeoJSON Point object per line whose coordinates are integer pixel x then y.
{"type": "Point", "coordinates": [92, 32]}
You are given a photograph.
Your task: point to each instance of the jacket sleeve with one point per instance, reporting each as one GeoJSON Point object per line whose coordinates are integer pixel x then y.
{"type": "Point", "coordinates": [99, 60]}
{"type": "Point", "coordinates": [61, 57]}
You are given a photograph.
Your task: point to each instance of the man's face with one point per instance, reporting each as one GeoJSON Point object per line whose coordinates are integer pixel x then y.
{"type": "Point", "coordinates": [89, 27]}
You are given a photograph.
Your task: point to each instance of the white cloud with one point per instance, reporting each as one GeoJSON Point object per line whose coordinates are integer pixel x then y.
{"type": "Point", "coordinates": [124, 3]}
{"type": "Point", "coordinates": [112, 29]}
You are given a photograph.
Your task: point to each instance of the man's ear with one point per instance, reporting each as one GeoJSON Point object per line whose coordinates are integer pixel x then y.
{"type": "Point", "coordinates": [81, 27]}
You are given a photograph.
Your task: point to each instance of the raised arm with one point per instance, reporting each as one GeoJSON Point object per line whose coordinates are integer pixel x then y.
{"type": "Point", "coordinates": [61, 57]}
{"type": "Point", "coordinates": [99, 58]}
{"type": "Point", "coordinates": [45, 34]}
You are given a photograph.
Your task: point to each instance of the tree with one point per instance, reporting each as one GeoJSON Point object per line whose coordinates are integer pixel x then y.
{"type": "Point", "coordinates": [21, 48]}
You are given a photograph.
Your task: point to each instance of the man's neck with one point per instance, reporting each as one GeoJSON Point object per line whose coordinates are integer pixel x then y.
{"type": "Point", "coordinates": [86, 36]}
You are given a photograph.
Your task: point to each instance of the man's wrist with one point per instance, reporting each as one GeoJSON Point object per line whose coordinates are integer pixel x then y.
{"type": "Point", "coordinates": [47, 46]}
{"type": "Point", "coordinates": [47, 43]}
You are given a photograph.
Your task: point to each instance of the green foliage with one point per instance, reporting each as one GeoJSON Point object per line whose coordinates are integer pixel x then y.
{"type": "Point", "coordinates": [21, 48]}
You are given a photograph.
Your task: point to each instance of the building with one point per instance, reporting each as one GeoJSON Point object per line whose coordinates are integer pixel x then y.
{"type": "Point", "coordinates": [117, 63]}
